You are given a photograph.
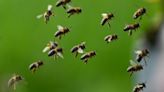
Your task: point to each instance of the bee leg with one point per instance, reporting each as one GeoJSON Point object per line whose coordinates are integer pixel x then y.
{"type": "Point", "coordinates": [145, 61]}
{"type": "Point", "coordinates": [109, 24]}
{"type": "Point", "coordinates": [14, 86]}
{"type": "Point", "coordinates": [70, 15]}
{"type": "Point", "coordinates": [130, 32]}
{"type": "Point", "coordinates": [86, 61]}
{"type": "Point", "coordinates": [59, 37]}
{"type": "Point", "coordinates": [76, 54]}
{"type": "Point", "coordinates": [131, 74]}
{"type": "Point", "coordinates": [64, 7]}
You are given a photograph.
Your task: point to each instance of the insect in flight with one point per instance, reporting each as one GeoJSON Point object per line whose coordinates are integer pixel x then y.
{"type": "Point", "coordinates": [78, 49]}
{"type": "Point", "coordinates": [14, 80]}
{"type": "Point", "coordinates": [34, 66]}
{"type": "Point", "coordinates": [110, 38]}
{"type": "Point", "coordinates": [47, 14]}
{"type": "Point", "coordinates": [85, 57]}
{"type": "Point", "coordinates": [73, 10]}
{"type": "Point", "coordinates": [141, 54]}
{"type": "Point", "coordinates": [49, 46]}
{"type": "Point", "coordinates": [62, 3]}
{"type": "Point", "coordinates": [134, 67]}
{"type": "Point", "coordinates": [106, 17]}
{"type": "Point", "coordinates": [139, 13]}
{"type": "Point", "coordinates": [56, 52]}
{"type": "Point", "coordinates": [139, 87]}
{"type": "Point", "coordinates": [131, 27]}
{"type": "Point", "coordinates": [61, 31]}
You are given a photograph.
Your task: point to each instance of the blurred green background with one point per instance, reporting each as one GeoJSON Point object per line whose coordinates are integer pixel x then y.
{"type": "Point", "coordinates": [22, 38]}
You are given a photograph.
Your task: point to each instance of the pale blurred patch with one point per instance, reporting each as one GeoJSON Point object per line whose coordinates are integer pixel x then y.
{"type": "Point", "coordinates": [153, 1]}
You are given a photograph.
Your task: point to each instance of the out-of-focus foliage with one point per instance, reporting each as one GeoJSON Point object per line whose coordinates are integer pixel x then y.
{"type": "Point", "coordinates": [22, 38]}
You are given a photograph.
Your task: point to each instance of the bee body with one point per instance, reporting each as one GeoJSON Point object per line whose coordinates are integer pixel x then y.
{"type": "Point", "coordinates": [73, 10]}
{"type": "Point", "coordinates": [61, 31]}
{"type": "Point", "coordinates": [106, 17]}
{"type": "Point", "coordinates": [87, 55]}
{"type": "Point", "coordinates": [62, 3]}
{"type": "Point", "coordinates": [35, 65]}
{"type": "Point", "coordinates": [131, 27]}
{"type": "Point", "coordinates": [141, 54]}
{"type": "Point", "coordinates": [13, 80]}
{"type": "Point", "coordinates": [78, 48]}
{"type": "Point", "coordinates": [139, 87]}
{"type": "Point", "coordinates": [56, 52]}
{"type": "Point", "coordinates": [139, 13]}
{"type": "Point", "coordinates": [110, 38]}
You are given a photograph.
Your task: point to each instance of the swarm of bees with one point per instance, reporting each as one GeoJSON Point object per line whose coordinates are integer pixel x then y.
{"type": "Point", "coordinates": [141, 54]}
{"type": "Point", "coordinates": [53, 50]}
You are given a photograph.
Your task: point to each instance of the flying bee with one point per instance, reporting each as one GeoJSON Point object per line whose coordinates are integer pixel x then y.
{"type": "Point", "coordinates": [134, 67]}
{"type": "Point", "coordinates": [110, 38]}
{"type": "Point", "coordinates": [49, 46]}
{"type": "Point", "coordinates": [87, 56]}
{"type": "Point", "coordinates": [34, 66]}
{"type": "Point", "coordinates": [61, 31]}
{"type": "Point", "coordinates": [131, 27]}
{"type": "Point", "coordinates": [139, 13]}
{"type": "Point", "coordinates": [47, 14]}
{"type": "Point", "coordinates": [139, 87]}
{"type": "Point", "coordinates": [13, 80]}
{"type": "Point", "coordinates": [62, 3]}
{"type": "Point", "coordinates": [56, 52]}
{"type": "Point", "coordinates": [78, 48]}
{"type": "Point", "coordinates": [141, 54]}
{"type": "Point", "coordinates": [106, 17]}
{"type": "Point", "coordinates": [73, 10]}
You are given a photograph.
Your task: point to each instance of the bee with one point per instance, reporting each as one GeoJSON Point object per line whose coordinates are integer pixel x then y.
{"type": "Point", "coordinates": [13, 80]}
{"type": "Point", "coordinates": [49, 46]}
{"type": "Point", "coordinates": [61, 31]}
{"type": "Point", "coordinates": [131, 27]}
{"type": "Point", "coordinates": [134, 67]}
{"type": "Point", "coordinates": [78, 48]}
{"type": "Point", "coordinates": [34, 66]}
{"type": "Point", "coordinates": [106, 17]}
{"type": "Point", "coordinates": [110, 38]}
{"type": "Point", "coordinates": [141, 54]}
{"type": "Point", "coordinates": [139, 87]}
{"type": "Point", "coordinates": [62, 3]}
{"type": "Point", "coordinates": [139, 13]}
{"type": "Point", "coordinates": [47, 14]}
{"type": "Point", "coordinates": [56, 52]}
{"type": "Point", "coordinates": [87, 56]}
{"type": "Point", "coordinates": [73, 10]}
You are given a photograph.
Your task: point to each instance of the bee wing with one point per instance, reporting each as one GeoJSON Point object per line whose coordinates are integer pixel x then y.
{"type": "Point", "coordinates": [45, 49]}
{"type": "Point", "coordinates": [69, 6]}
{"type": "Point", "coordinates": [49, 7]}
{"type": "Point", "coordinates": [138, 52]}
{"type": "Point", "coordinates": [60, 55]}
{"type": "Point", "coordinates": [10, 82]}
{"type": "Point", "coordinates": [132, 62]}
{"type": "Point", "coordinates": [60, 27]}
{"type": "Point", "coordinates": [104, 14]}
{"type": "Point", "coordinates": [80, 50]}
{"type": "Point", "coordinates": [39, 16]}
